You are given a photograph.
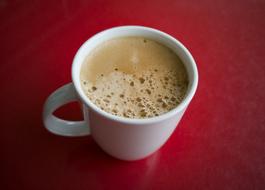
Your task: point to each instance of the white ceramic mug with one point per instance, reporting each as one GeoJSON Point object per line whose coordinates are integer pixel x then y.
{"type": "Point", "coordinates": [123, 138]}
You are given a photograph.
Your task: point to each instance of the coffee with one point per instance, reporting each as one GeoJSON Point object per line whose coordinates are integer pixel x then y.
{"type": "Point", "coordinates": [134, 77]}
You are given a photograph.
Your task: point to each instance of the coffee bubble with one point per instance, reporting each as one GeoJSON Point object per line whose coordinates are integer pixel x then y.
{"type": "Point", "coordinates": [113, 81]}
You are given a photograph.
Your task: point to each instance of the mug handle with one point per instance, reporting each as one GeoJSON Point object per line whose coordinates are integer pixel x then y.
{"type": "Point", "coordinates": [58, 98]}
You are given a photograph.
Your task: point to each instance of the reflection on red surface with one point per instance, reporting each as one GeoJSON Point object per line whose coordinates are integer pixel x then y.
{"type": "Point", "coordinates": [219, 143]}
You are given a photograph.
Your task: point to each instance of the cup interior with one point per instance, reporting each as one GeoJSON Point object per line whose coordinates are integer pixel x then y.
{"type": "Point", "coordinates": [146, 32]}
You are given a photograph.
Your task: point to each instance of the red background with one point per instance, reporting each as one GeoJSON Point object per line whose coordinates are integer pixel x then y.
{"type": "Point", "coordinates": [220, 142]}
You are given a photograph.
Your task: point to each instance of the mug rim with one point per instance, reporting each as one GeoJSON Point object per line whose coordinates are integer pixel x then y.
{"type": "Point", "coordinates": [183, 104]}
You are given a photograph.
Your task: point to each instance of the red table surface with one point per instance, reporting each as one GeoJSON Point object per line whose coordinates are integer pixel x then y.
{"type": "Point", "coordinates": [219, 143]}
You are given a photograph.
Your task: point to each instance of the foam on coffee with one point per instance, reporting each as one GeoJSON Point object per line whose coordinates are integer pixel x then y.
{"type": "Point", "coordinates": [134, 77]}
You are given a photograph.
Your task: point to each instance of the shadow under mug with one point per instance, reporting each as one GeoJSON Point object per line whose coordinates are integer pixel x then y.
{"type": "Point", "coordinates": [123, 138]}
